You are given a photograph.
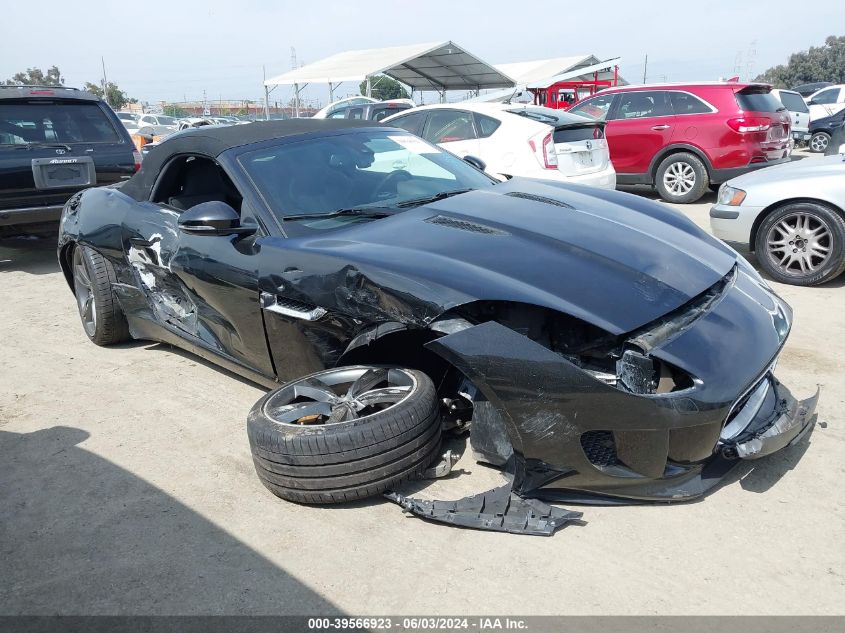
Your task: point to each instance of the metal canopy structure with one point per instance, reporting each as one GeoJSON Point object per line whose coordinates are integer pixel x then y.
{"type": "Point", "coordinates": [438, 66]}
{"type": "Point", "coordinates": [545, 72]}
{"type": "Point", "coordinates": [540, 69]}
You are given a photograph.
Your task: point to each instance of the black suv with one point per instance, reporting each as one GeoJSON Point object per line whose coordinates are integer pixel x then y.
{"type": "Point", "coordinates": [55, 141]}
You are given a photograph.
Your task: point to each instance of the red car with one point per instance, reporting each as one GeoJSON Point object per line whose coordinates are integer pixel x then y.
{"type": "Point", "coordinates": [684, 138]}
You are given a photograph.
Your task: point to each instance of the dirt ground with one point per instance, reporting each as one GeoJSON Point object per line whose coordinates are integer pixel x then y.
{"type": "Point", "coordinates": [126, 487]}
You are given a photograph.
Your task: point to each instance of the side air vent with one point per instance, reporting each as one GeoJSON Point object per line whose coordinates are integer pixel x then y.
{"type": "Point", "coordinates": [463, 225]}
{"type": "Point", "coordinates": [600, 448]}
{"type": "Point", "coordinates": [533, 198]}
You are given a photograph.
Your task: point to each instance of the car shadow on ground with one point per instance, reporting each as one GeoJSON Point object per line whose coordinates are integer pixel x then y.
{"type": "Point", "coordinates": [81, 535]}
{"type": "Point", "coordinates": [29, 254]}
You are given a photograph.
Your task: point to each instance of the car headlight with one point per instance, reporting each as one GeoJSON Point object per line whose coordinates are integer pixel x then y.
{"type": "Point", "coordinates": [731, 196]}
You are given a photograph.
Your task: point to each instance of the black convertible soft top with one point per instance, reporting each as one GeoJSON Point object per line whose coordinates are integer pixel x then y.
{"type": "Point", "coordinates": [214, 140]}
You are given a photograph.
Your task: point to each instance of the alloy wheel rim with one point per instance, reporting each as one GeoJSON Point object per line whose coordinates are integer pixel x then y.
{"type": "Point", "coordinates": [799, 244]}
{"type": "Point", "coordinates": [84, 293]}
{"type": "Point", "coordinates": [339, 396]}
{"type": "Point", "coordinates": [679, 178]}
{"type": "Point", "coordinates": [819, 142]}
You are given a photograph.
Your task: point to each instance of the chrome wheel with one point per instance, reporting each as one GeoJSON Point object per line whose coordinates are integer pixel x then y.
{"type": "Point", "coordinates": [799, 244]}
{"type": "Point", "coordinates": [339, 395]}
{"type": "Point", "coordinates": [84, 292]}
{"type": "Point", "coordinates": [819, 142]}
{"type": "Point", "coordinates": [679, 178]}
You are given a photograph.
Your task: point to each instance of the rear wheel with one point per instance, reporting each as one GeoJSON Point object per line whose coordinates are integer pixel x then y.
{"type": "Point", "coordinates": [802, 244]}
{"type": "Point", "coordinates": [681, 178]}
{"type": "Point", "coordinates": [819, 142]}
{"type": "Point", "coordinates": [102, 318]}
{"type": "Point", "coordinates": [345, 434]}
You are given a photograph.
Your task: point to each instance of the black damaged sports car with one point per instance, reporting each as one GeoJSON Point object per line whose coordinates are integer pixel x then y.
{"type": "Point", "coordinates": [598, 346]}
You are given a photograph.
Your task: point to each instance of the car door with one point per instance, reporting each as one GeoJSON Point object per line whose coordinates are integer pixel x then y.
{"type": "Point", "coordinates": [799, 112]}
{"type": "Point", "coordinates": [453, 130]}
{"type": "Point", "coordinates": [640, 124]}
{"type": "Point", "coordinates": [200, 285]}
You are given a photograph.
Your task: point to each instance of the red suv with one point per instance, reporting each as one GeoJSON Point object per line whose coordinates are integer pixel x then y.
{"type": "Point", "coordinates": [683, 138]}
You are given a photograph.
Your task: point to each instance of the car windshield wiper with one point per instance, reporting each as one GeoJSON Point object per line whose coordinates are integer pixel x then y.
{"type": "Point", "coordinates": [63, 146]}
{"type": "Point", "coordinates": [362, 212]}
{"type": "Point", "coordinates": [438, 196]}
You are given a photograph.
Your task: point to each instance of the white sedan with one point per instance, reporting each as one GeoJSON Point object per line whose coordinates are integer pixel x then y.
{"type": "Point", "coordinates": [792, 215]}
{"type": "Point", "coordinates": [517, 140]}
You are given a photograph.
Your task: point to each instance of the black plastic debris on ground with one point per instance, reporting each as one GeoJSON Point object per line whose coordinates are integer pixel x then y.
{"type": "Point", "coordinates": [498, 510]}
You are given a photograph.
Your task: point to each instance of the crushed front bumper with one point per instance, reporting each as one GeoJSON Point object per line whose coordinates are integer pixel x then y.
{"type": "Point", "coordinates": [768, 419]}
{"type": "Point", "coordinates": [573, 438]}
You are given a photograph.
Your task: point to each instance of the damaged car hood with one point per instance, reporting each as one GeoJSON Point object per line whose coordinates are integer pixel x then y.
{"type": "Point", "coordinates": [611, 259]}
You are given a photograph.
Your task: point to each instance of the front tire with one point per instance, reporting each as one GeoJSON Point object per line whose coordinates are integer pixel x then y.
{"type": "Point", "coordinates": [802, 244]}
{"type": "Point", "coordinates": [345, 434]}
{"type": "Point", "coordinates": [819, 142]}
{"type": "Point", "coordinates": [102, 318]}
{"type": "Point", "coordinates": [681, 178]}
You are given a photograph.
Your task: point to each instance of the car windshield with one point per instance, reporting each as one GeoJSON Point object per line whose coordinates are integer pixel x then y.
{"type": "Point", "coordinates": [55, 122]}
{"type": "Point", "coordinates": [384, 171]}
{"type": "Point", "coordinates": [166, 120]}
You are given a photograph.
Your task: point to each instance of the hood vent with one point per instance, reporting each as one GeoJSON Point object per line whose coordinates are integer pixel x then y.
{"type": "Point", "coordinates": [463, 225]}
{"type": "Point", "coordinates": [543, 199]}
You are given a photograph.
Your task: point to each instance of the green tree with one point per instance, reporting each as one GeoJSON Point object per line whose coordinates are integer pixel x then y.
{"type": "Point", "coordinates": [116, 97]}
{"type": "Point", "coordinates": [37, 77]}
{"type": "Point", "coordinates": [819, 63]}
{"type": "Point", "coordinates": [175, 111]}
{"type": "Point", "coordinates": [384, 87]}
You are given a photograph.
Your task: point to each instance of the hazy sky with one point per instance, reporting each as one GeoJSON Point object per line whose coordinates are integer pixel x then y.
{"type": "Point", "coordinates": [173, 50]}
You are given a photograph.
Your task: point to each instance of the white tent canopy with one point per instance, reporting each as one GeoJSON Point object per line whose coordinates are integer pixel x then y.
{"type": "Point", "coordinates": [531, 74]}
{"type": "Point", "coordinates": [539, 69]}
{"type": "Point", "coordinates": [434, 66]}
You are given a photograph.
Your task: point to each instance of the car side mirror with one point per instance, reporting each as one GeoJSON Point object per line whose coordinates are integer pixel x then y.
{"type": "Point", "coordinates": [213, 218]}
{"type": "Point", "coordinates": [812, 102]}
{"type": "Point", "coordinates": [475, 162]}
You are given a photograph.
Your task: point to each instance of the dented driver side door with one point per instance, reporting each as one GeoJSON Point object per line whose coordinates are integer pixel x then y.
{"type": "Point", "coordinates": [202, 288]}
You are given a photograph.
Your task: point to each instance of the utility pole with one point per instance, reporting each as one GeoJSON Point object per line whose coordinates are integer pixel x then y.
{"type": "Point", "coordinates": [645, 68]}
{"type": "Point", "coordinates": [293, 66]}
{"type": "Point", "coordinates": [749, 60]}
{"type": "Point", "coordinates": [105, 82]}
{"type": "Point", "coordinates": [266, 95]}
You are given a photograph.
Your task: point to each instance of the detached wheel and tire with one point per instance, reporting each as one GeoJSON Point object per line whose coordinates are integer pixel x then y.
{"type": "Point", "coordinates": [345, 434]}
{"type": "Point", "coordinates": [819, 142]}
{"type": "Point", "coordinates": [681, 178]}
{"type": "Point", "coordinates": [802, 244]}
{"type": "Point", "coordinates": [93, 276]}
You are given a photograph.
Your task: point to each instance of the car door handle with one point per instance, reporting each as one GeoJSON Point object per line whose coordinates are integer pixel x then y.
{"type": "Point", "coordinates": [290, 308]}
{"type": "Point", "coordinates": [662, 126]}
